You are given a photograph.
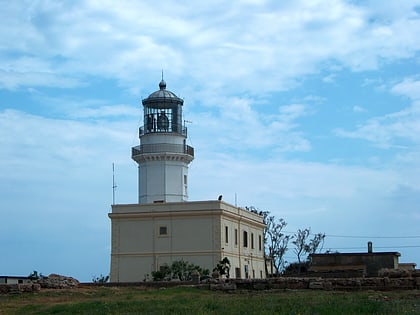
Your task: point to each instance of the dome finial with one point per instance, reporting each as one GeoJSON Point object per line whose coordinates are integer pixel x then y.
{"type": "Point", "coordinates": [162, 84]}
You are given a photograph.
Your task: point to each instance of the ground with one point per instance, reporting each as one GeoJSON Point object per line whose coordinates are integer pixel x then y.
{"type": "Point", "coordinates": [189, 300]}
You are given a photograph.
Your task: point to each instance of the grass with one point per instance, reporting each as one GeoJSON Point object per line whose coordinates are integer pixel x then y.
{"type": "Point", "coordinates": [186, 300]}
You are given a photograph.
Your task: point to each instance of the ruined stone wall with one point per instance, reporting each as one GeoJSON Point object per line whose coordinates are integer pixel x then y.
{"type": "Point", "coordinates": [348, 284]}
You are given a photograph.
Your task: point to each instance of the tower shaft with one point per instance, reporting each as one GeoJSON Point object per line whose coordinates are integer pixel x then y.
{"type": "Point", "coordinates": [163, 155]}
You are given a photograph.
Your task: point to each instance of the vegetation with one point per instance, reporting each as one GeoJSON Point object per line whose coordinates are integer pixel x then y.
{"type": "Point", "coordinates": [277, 244]}
{"type": "Point", "coordinates": [223, 267]}
{"type": "Point", "coordinates": [180, 269]}
{"type": "Point", "coordinates": [100, 279]}
{"type": "Point", "coordinates": [305, 245]}
{"type": "Point", "coordinates": [34, 275]}
{"type": "Point", "coordinates": [182, 300]}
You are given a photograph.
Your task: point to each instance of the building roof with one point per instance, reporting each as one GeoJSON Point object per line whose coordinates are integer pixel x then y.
{"type": "Point", "coordinates": [356, 254]}
{"type": "Point", "coordinates": [14, 277]}
{"type": "Point", "coordinates": [163, 95]}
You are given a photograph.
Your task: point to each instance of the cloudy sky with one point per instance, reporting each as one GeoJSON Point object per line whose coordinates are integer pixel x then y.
{"type": "Point", "coordinates": [307, 109]}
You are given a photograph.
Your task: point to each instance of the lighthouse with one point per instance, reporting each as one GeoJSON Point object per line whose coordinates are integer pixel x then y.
{"type": "Point", "coordinates": [163, 155]}
{"type": "Point", "coordinates": [163, 226]}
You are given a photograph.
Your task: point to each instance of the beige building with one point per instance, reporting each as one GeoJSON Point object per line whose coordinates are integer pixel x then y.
{"type": "Point", "coordinates": [146, 237]}
{"type": "Point", "coordinates": [164, 227]}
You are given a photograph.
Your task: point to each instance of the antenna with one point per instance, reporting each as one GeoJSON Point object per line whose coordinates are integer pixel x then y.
{"type": "Point", "coordinates": [113, 185]}
{"type": "Point", "coordinates": [162, 74]}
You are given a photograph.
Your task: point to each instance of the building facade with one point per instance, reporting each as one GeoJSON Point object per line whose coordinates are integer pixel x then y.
{"type": "Point", "coordinates": [368, 264]}
{"type": "Point", "coordinates": [146, 237]}
{"type": "Point", "coordinates": [163, 226]}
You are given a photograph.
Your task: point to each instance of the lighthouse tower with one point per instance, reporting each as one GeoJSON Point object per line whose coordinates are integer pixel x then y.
{"type": "Point", "coordinates": [163, 155]}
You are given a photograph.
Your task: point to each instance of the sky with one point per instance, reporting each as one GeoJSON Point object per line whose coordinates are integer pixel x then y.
{"type": "Point", "coordinates": [307, 109]}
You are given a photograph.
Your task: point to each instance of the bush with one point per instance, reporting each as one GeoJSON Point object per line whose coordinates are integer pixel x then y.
{"type": "Point", "coordinates": [179, 269]}
{"type": "Point", "coordinates": [100, 279]}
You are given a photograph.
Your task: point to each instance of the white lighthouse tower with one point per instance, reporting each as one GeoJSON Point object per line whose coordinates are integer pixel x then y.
{"type": "Point", "coordinates": [163, 227]}
{"type": "Point", "coordinates": [163, 155]}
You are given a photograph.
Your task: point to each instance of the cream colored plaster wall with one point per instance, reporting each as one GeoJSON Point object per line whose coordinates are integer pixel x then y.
{"type": "Point", "coordinates": [195, 233]}
{"type": "Point", "coordinates": [239, 255]}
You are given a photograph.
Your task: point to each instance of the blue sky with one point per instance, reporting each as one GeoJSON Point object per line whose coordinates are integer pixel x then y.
{"type": "Point", "coordinates": [307, 109]}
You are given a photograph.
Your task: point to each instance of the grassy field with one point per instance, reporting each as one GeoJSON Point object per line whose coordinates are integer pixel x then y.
{"type": "Point", "coordinates": [184, 300]}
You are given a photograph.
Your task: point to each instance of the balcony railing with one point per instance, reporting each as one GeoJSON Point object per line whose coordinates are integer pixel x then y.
{"type": "Point", "coordinates": [162, 148]}
{"type": "Point", "coordinates": [171, 129]}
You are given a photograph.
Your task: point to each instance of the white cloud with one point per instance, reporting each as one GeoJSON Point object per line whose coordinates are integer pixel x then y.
{"type": "Point", "coordinates": [398, 129]}
{"type": "Point", "coordinates": [205, 42]}
{"type": "Point", "coordinates": [359, 109]}
{"type": "Point", "coordinates": [225, 58]}
{"type": "Point", "coordinates": [409, 87]}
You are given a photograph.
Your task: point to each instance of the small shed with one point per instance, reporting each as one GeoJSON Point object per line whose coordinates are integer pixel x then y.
{"type": "Point", "coordinates": [15, 280]}
{"type": "Point", "coordinates": [368, 264]}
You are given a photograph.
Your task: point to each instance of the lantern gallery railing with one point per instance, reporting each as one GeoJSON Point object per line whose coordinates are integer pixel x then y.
{"type": "Point", "coordinates": [161, 148]}
{"type": "Point", "coordinates": [164, 128]}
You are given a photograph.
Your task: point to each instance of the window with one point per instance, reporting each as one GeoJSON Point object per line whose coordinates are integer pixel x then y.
{"type": "Point", "coordinates": [259, 242]}
{"type": "Point", "coordinates": [185, 184]}
{"type": "Point", "coordinates": [236, 236]}
{"type": "Point", "coordinates": [237, 273]}
{"type": "Point", "coordinates": [226, 234]}
{"type": "Point", "coordinates": [163, 230]}
{"type": "Point", "coordinates": [261, 274]}
{"type": "Point", "coordinates": [253, 273]}
{"type": "Point", "coordinates": [252, 240]}
{"type": "Point", "coordinates": [245, 239]}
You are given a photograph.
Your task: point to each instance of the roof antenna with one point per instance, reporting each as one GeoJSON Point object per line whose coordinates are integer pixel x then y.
{"type": "Point", "coordinates": [162, 74]}
{"type": "Point", "coordinates": [114, 186]}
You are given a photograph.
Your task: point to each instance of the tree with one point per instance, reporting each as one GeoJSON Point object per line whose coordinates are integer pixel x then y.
{"type": "Point", "coordinates": [304, 245]}
{"type": "Point", "coordinates": [301, 239]}
{"type": "Point", "coordinates": [317, 243]}
{"type": "Point", "coordinates": [223, 267]}
{"type": "Point", "coordinates": [276, 242]}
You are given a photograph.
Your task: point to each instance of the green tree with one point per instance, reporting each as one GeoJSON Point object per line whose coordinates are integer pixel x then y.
{"type": "Point", "coordinates": [223, 267]}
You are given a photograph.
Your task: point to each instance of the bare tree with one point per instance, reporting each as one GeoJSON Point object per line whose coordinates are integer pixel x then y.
{"type": "Point", "coordinates": [301, 239]}
{"type": "Point", "coordinates": [305, 245]}
{"type": "Point", "coordinates": [276, 242]}
{"type": "Point", "coordinates": [317, 243]}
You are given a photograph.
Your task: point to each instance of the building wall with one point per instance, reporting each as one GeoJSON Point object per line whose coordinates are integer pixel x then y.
{"type": "Point", "coordinates": [195, 232]}
{"type": "Point", "coordinates": [14, 280]}
{"type": "Point", "coordinates": [162, 180]}
{"type": "Point", "coordinates": [245, 254]}
{"type": "Point", "coordinates": [370, 262]}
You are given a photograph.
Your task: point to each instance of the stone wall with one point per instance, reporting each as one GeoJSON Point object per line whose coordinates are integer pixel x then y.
{"type": "Point", "coordinates": [19, 288]}
{"type": "Point", "coordinates": [289, 283]}
{"type": "Point", "coordinates": [54, 281]}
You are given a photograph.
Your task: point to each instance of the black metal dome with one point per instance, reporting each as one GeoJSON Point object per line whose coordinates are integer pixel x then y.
{"type": "Point", "coordinates": [163, 95]}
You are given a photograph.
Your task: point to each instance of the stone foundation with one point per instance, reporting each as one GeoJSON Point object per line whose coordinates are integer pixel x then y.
{"type": "Point", "coordinates": [19, 288]}
{"type": "Point", "coordinates": [349, 284]}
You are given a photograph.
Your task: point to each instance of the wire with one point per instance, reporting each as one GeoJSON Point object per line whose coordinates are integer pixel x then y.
{"type": "Point", "coordinates": [349, 236]}
{"type": "Point", "coordinates": [402, 246]}
{"type": "Point", "coordinates": [358, 236]}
